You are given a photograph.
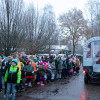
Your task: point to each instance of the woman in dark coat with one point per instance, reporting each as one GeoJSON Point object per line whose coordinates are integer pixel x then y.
{"type": "Point", "coordinates": [0, 78]}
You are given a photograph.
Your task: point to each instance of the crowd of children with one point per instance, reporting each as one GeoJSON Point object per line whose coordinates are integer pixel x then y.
{"type": "Point", "coordinates": [24, 72]}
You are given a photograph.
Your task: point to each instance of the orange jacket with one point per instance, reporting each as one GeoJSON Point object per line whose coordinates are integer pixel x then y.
{"type": "Point", "coordinates": [77, 63]}
{"type": "Point", "coordinates": [19, 65]}
{"type": "Point", "coordinates": [34, 65]}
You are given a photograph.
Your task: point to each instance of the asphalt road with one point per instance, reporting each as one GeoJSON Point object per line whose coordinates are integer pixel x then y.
{"type": "Point", "coordinates": [72, 88]}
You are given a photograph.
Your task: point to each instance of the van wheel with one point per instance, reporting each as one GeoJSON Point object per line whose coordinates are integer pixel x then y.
{"type": "Point", "coordinates": [86, 79]}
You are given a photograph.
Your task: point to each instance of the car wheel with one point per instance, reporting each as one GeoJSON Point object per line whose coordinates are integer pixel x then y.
{"type": "Point", "coordinates": [86, 80]}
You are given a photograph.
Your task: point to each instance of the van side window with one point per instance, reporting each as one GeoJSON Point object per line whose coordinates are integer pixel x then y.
{"type": "Point", "coordinates": [88, 55]}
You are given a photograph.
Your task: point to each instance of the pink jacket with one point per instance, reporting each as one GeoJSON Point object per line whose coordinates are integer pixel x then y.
{"type": "Point", "coordinates": [46, 67]}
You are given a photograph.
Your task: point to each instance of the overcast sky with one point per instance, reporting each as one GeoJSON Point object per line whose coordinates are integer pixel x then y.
{"type": "Point", "coordinates": [60, 6]}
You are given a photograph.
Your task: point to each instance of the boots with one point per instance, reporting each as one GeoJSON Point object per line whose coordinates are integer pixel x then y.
{"type": "Point", "coordinates": [45, 81]}
{"type": "Point", "coordinates": [60, 76]}
{"type": "Point", "coordinates": [57, 76]}
{"type": "Point", "coordinates": [41, 83]}
{"type": "Point", "coordinates": [30, 85]}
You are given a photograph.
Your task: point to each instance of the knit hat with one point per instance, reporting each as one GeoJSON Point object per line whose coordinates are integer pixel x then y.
{"type": "Point", "coordinates": [53, 63]}
{"type": "Point", "coordinates": [45, 63]}
{"type": "Point", "coordinates": [49, 66]}
{"type": "Point", "coordinates": [15, 61]}
{"type": "Point", "coordinates": [41, 63]}
{"type": "Point", "coordinates": [28, 61]}
{"type": "Point", "coordinates": [38, 63]}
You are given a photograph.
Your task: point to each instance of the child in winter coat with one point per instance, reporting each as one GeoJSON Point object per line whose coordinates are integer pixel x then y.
{"type": "Point", "coordinates": [64, 70]}
{"type": "Point", "coordinates": [12, 78]}
{"type": "Point", "coordinates": [59, 68]}
{"type": "Point", "coordinates": [21, 67]}
{"type": "Point", "coordinates": [29, 70]}
{"type": "Point", "coordinates": [70, 67]}
{"type": "Point", "coordinates": [42, 72]}
{"type": "Point", "coordinates": [48, 72]}
{"type": "Point", "coordinates": [35, 72]}
{"type": "Point", "coordinates": [53, 71]}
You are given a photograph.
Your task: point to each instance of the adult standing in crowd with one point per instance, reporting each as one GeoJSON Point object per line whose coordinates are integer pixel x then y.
{"type": "Point", "coordinates": [77, 65]}
{"type": "Point", "coordinates": [7, 67]}
{"type": "Point", "coordinates": [59, 67]}
{"type": "Point", "coordinates": [0, 76]}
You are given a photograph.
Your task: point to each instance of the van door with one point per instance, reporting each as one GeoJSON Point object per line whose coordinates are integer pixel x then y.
{"type": "Point", "coordinates": [96, 56]}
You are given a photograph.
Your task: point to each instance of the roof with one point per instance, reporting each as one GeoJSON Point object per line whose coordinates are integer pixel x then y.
{"type": "Point", "coordinates": [59, 47]}
{"type": "Point", "coordinates": [91, 40]}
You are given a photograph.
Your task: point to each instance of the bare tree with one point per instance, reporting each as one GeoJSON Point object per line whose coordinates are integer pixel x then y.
{"type": "Point", "coordinates": [74, 26]}
{"type": "Point", "coordinates": [94, 16]}
{"type": "Point", "coordinates": [50, 25]}
{"type": "Point", "coordinates": [10, 23]}
{"type": "Point", "coordinates": [40, 28]}
{"type": "Point", "coordinates": [25, 29]}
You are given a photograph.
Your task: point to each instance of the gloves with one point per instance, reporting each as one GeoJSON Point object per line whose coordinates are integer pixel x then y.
{"type": "Point", "coordinates": [32, 72]}
{"type": "Point", "coordinates": [17, 87]}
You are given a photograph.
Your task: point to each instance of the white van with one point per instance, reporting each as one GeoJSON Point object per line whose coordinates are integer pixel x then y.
{"type": "Point", "coordinates": [91, 60]}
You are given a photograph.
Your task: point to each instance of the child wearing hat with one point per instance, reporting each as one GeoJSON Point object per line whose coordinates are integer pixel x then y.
{"type": "Point", "coordinates": [12, 78]}
{"type": "Point", "coordinates": [42, 72]}
{"type": "Point", "coordinates": [29, 70]}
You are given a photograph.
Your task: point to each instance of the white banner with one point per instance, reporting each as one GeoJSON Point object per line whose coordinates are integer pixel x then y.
{"type": "Point", "coordinates": [97, 52]}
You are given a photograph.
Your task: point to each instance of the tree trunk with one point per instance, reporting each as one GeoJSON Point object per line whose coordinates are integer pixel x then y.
{"type": "Point", "coordinates": [73, 45]}
{"type": "Point", "coordinates": [8, 28]}
{"type": "Point", "coordinates": [49, 45]}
